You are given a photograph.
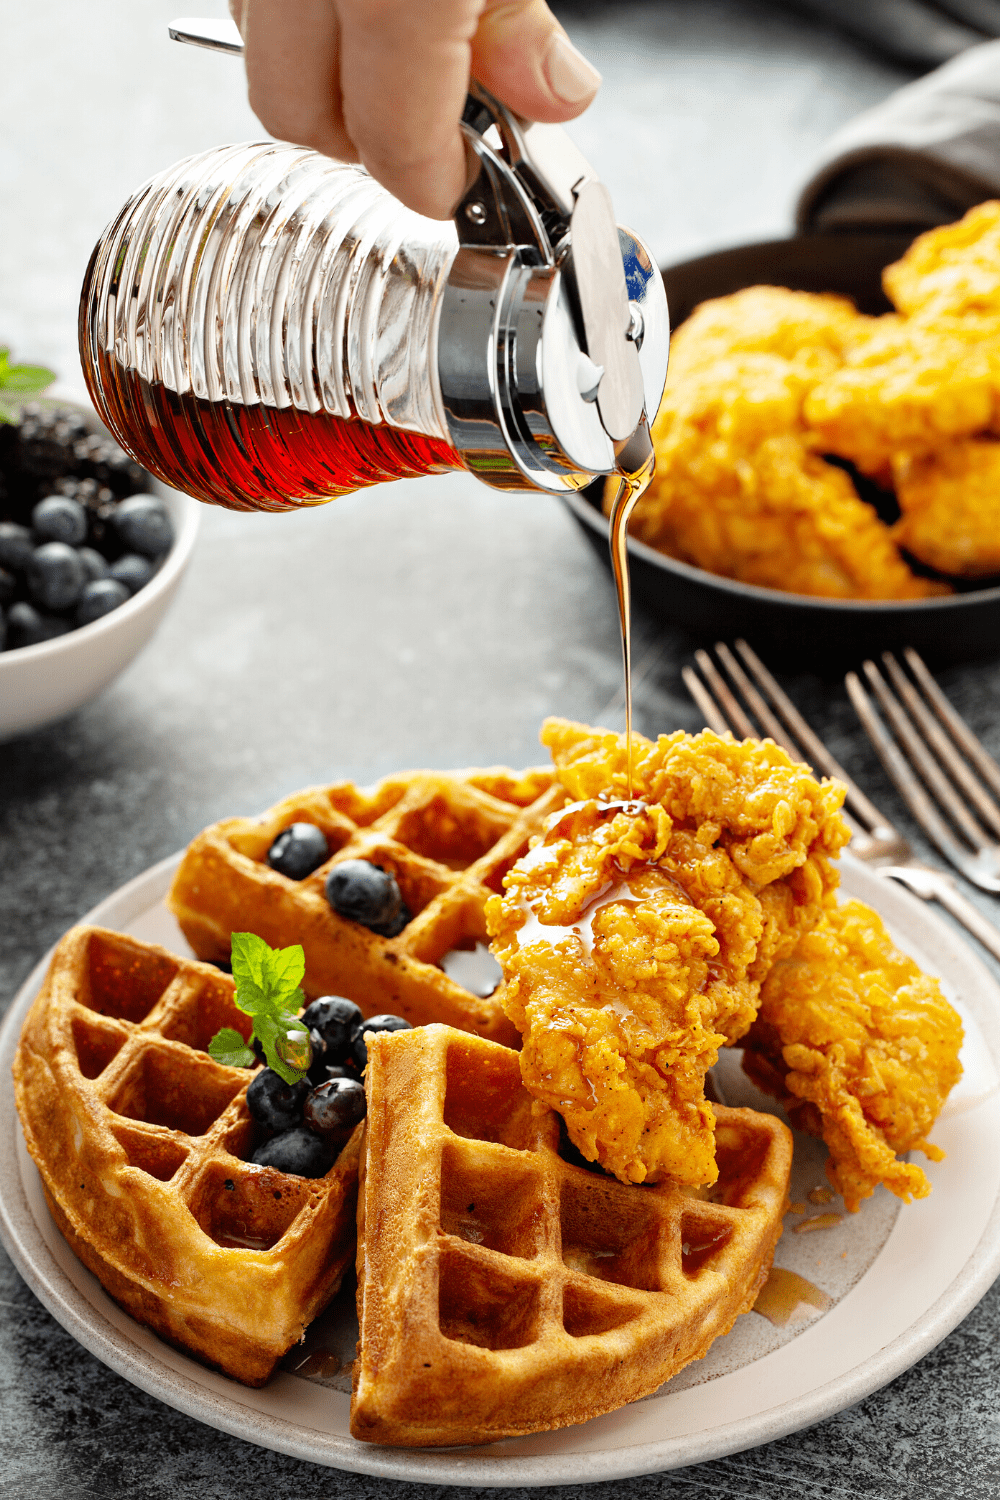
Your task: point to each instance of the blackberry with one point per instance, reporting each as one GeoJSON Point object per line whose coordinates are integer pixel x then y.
{"type": "Point", "coordinates": [101, 459]}
{"type": "Point", "coordinates": [46, 440]}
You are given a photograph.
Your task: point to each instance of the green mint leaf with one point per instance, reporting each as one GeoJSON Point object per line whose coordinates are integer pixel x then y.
{"type": "Point", "coordinates": [228, 1048]}
{"type": "Point", "coordinates": [28, 379]}
{"type": "Point", "coordinates": [267, 988]}
{"type": "Point", "coordinates": [287, 1049]}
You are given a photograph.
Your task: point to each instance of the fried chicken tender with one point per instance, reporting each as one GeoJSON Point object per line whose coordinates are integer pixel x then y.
{"type": "Point", "coordinates": [634, 937]}
{"type": "Point", "coordinates": [906, 386]}
{"type": "Point", "coordinates": [861, 1046]}
{"type": "Point", "coordinates": [951, 271]}
{"type": "Point", "coordinates": [739, 489]}
{"type": "Point", "coordinates": [951, 507]}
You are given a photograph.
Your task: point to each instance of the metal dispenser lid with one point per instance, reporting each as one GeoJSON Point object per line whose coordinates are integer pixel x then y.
{"type": "Point", "coordinates": [554, 330]}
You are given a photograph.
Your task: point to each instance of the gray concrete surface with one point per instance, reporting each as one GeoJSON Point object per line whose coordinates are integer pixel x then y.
{"type": "Point", "coordinates": [433, 622]}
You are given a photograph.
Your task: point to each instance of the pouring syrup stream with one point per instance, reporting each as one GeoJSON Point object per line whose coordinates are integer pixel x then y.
{"type": "Point", "coordinates": [630, 487]}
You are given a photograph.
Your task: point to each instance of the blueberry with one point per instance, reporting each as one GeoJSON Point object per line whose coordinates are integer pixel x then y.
{"type": "Point", "coordinates": [94, 565]}
{"type": "Point", "coordinates": [133, 571]}
{"type": "Point", "coordinates": [3, 630]}
{"type": "Point", "coordinates": [100, 598]}
{"type": "Point", "coordinates": [144, 525]}
{"type": "Point", "coordinates": [298, 850]}
{"type": "Point", "coordinates": [365, 893]}
{"type": "Point", "coordinates": [275, 1103]}
{"type": "Point", "coordinates": [359, 1048]}
{"type": "Point", "coordinates": [16, 546]}
{"type": "Point", "coordinates": [57, 518]}
{"type": "Point", "coordinates": [26, 626]}
{"type": "Point", "coordinates": [55, 576]}
{"type": "Point", "coordinates": [299, 1151]}
{"type": "Point", "coordinates": [336, 1107]}
{"type": "Point", "coordinates": [335, 1019]}
{"type": "Point", "coordinates": [8, 586]}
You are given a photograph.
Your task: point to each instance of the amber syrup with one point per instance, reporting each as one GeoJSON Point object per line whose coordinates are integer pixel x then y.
{"type": "Point", "coordinates": [630, 487]}
{"type": "Point", "coordinates": [255, 457]}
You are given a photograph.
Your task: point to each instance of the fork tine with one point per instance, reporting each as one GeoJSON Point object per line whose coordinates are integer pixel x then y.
{"type": "Point", "coordinates": [765, 718]}
{"type": "Point", "coordinates": [704, 700]}
{"type": "Point", "coordinates": [906, 782]}
{"type": "Point", "coordinates": [953, 722]}
{"type": "Point", "coordinates": [738, 720]}
{"type": "Point", "coordinates": [957, 768]}
{"type": "Point", "coordinates": [919, 756]}
{"type": "Point", "coordinates": [815, 751]}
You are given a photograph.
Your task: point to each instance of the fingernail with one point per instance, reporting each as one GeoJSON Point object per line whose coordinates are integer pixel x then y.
{"type": "Point", "coordinates": [570, 76]}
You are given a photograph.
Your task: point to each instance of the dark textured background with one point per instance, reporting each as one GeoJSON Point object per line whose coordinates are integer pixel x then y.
{"type": "Point", "coordinates": [430, 623]}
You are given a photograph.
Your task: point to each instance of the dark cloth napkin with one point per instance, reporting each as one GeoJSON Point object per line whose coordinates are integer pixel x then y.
{"type": "Point", "coordinates": [922, 158]}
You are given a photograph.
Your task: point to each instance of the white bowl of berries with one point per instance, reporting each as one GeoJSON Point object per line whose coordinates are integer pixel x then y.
{"type": "Point", "coordinates": [92, 549]}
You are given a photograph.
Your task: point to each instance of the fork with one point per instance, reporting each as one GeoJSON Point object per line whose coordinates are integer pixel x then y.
{"type": "Point", "coordinates": [929, 733]}
{"type": "Point", "coordinates": [874, 839]}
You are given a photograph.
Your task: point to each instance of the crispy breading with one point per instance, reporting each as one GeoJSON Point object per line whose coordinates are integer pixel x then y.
{"type": "Point", "coordinates": [951, 507]}
{"type": "Point", "coordinates": [739, 489]}
{"type": "Point", "coordinates": [795, 326]}
{"type": "Point", "coordinates": [634, 938]}
{"type": "Point", "coordinates": [775, 515]}
{"type": "Point", "coordinates": [906, 386]}
{"type": "Point", "coordinates": [861, 1046]}
{"type": "Point", "coordinates": [951, 271]}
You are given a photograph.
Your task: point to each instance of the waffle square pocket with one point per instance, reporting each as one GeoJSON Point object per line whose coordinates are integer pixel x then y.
{"type": "Point", "coordinates": [503, 1290]}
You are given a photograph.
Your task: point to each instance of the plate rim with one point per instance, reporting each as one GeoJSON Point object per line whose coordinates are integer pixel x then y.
{"type": "Point", "coordinates": [35, 1262]}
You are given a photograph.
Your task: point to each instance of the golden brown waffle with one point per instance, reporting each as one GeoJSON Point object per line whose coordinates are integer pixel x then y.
{"type": "Point", "coordinates": [503, 1290]}
{"type": "Point", "coordinates": [448, 837]}
{"type": "Point", "coordinates": [140, 1136]}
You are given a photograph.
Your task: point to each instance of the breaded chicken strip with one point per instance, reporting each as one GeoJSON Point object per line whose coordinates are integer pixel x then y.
{"type": "Point", "coordinates": [953, 271]}
{"type": "Point", "coordinates": [861, 1047]}
{"type": "Point", "coordinates": [906, 386]}
{"type": "Point", "coordinates": [634, 938]}
{"type": "Point", "coordinates": [739, 489]}
{"type": "Point", "coordinates": [951, 507]}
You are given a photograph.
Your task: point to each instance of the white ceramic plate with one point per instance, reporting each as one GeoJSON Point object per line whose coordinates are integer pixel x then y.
{"type": "Point", "coordinates": [899, 1278]}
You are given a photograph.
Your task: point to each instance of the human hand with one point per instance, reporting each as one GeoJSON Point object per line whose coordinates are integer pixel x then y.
{"type": "Point", "coordinates": [384, 82]}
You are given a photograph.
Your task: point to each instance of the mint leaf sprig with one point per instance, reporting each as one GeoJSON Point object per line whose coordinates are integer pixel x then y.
{"type": "Point", "coordinates": [17, 381]}
{"type": "Point", "coordinates": [267, 988]}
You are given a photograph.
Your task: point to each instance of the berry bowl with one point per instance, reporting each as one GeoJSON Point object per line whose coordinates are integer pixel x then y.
{"type": "Point", "coordinates": [44, 680]}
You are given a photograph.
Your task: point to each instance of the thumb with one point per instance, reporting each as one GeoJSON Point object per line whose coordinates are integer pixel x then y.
{"type": "Point", "coordinates": [523, 56]}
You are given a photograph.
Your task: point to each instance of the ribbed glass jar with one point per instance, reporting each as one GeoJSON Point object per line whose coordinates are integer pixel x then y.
{"type": "Point", "coordinates": [259, 327]}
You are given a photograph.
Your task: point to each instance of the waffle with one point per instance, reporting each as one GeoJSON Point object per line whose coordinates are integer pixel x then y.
{"type": "Point", "coordinates": [139, 1138]}
{"type": "Point", "coordinates": [449, 838]}
{"type": "Point", "coordinates": [503, 1290]}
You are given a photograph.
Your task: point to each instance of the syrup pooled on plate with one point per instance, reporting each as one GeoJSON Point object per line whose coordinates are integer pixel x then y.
{"type": "Point", "coordinates": [255, 457]}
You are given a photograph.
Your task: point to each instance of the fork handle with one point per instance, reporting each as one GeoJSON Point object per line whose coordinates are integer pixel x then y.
{"type": "Point", "coordinates": [971, 919]}
{"type": "Point", "coordinates": [935, 885]}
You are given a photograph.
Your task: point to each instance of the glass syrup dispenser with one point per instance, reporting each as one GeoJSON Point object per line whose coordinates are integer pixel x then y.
{"type": "Point", "coordinates": [266, 328]}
